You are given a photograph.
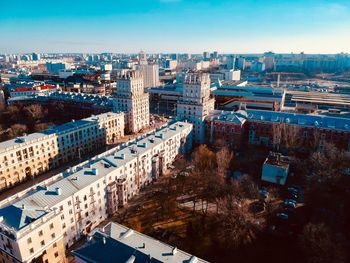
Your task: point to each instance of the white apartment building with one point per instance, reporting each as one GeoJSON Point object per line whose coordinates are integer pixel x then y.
{"type": "Point", "coordinates": [131, 99]}
{"type": "Point", "coordinates": [29, 155]}
{"type": "Point", "coordinates": [196, 103]}
{"type": "Point", "coordinates": [37, 222]}
{"type": "Point", "coordinates": [150, 75]}
{"type": "Point", "coordinates": [26, 156]}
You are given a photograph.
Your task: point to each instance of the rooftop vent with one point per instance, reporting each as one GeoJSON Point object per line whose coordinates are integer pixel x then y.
{"type": "Point", "coordinates": [131, 259]}
{"type": "Point", "coordinates": [174, 251]}
{"type": "Point", "coordinates": [58, 191]}
{"type": "Point", "coordinates": [94, 171]}
{"type": "Point", "coordinates": [193, 259]}
{"type": "Point", "coordinates": [128, 233]}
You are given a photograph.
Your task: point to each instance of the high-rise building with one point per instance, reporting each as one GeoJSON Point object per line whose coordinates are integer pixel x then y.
{"type": "Point", "coordinates": [131, 98]}
{"type": "Point", "coordinates": [56, 67]}
{"type": "Point", "coordinates": [150, 74]}
{"type": "Point", "coordinates": [257, 66]}
{"type": "Point", "coordinates": [35, 56]}
{"type": "Point", "coordinates": [269, 60]}
{"type": "Point", "coordinates": [196, 103]}
{"type": "Point", "coordinates": [230, 62]}
{"type": "Point", "coordinates": [142, 58]}
{"type": "Point", "coordinates": [170, 64]}
{"type": "Point", "coordinates": [206, 55]}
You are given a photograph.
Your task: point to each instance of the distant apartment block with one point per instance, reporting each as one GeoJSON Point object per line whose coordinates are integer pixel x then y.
{"type": "Point", "coordinates": [40, 222]}
{"type": "Point", "coordinates": [29, 155]}
{"type": "Point", "coordinates": [44, 89]}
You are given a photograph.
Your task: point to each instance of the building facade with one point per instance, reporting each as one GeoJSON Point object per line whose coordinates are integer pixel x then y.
{"type": "Point", "coordinates": [196, 103]}
{"type": "Point", "coordinates": [150, 73]}
{"type": "Point", "coordinates": [60, 210]}
{"type": "Point", "coordinates": [25, 157]}
{"type": "Point", "coordinates": [131, 99]}
{"type": "Point", "coordinates": [260, 128]}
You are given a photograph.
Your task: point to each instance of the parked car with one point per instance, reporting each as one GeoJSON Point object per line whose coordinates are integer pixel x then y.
{"type": "Point", "coordinates": [283, 216]}
{"type": "Point", "coordinates": [264, 193]}
{"type": "Point", "coordinates": [288, 203]}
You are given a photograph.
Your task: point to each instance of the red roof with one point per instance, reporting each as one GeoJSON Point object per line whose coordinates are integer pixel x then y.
{"type": "Point", "coordinates": [48, 86]}
{"type": "Point", "coordinates": [22, 89]}
{"type": "Point", "coordinates": [42, 87]}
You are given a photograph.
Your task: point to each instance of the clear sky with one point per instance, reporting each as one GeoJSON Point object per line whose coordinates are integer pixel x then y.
{"type": "Point", "coordinates": [228, 26]}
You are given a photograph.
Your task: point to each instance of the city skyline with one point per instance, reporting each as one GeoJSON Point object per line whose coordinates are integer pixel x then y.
{"type": "Point", "coordinates": [166, 26]}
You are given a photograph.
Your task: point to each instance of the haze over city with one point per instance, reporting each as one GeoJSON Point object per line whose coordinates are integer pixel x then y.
{"type": "Point", "coordinates": [163, 26]}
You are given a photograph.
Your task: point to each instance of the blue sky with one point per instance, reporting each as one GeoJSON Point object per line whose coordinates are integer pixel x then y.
{"type": "Point", "coordinates": [228, 26]}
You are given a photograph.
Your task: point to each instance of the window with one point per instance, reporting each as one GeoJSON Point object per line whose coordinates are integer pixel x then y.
{"type": "Point", "coordinates": [40, 233]}
{"type": "Point", "coordinates": [51, 226]}
{"type": "Point", "coordinates": [42, 243]}
{"type": "Point", "coordinates": [56, 254]}
{"type": "Point", "coordinates": [29, 240]}
{"type": "Point", "coordinates": [54, 244]}
{"type": "Point", "coordinates": [53, 235]}
{"type": "Point", "coordinates": [64, 225]}
{"type": "Point", "coordinates": [31, 251]}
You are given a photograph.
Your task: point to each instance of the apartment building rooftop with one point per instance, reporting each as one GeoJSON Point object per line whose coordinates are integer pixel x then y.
{"type": "Point", "coordinates": [96, 100]}
{"type": "Point", "coordinates": [117, 243]}
{"type": "Point", "coordinates": [320, 121]}
{"type": "Point", "coordinates": [22, 211]}
{"type": "Point", "coordinates": [39, 136]}
{"type": "Point", "coordinates": [25, 139]}
{"type": "Point", "coordinates": [238, 117]}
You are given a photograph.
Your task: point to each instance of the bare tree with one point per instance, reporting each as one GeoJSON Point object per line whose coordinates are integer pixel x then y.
{"type": "Point", "coordinates": [203, 158]}
{"type": "Point", "coordinates": [320, 246]}
{"type": "Point", "coordinates": [291, 133]}
{"type": "Point", "coordinates": [286, 135]}
{"type": "Point", "coordinates": [40, 127]}
{"type": "Point", "coordinates": [34, 112]}
{"type": "Point", "coordinates": [14, 113]}
{"type": "Point", "coordinates": [17, 130]}
{"type": "Point", "coordinates": [328, 165]}
{"type": "Point", "coordinates": [277, 135]}
{"type": "Point", "coordinates": [237, 224]}
{"type": "Point", "coordinates": [223, 159]}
